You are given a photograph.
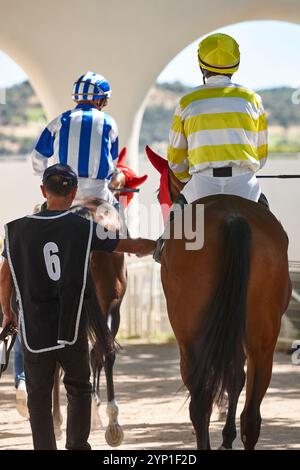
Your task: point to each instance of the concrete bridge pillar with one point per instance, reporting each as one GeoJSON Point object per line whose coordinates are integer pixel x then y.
{"type": "Point", "coordinates": [129, 42]}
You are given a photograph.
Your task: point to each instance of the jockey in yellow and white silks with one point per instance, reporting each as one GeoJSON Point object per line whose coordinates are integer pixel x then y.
{"type": "Point", "coordinates": [218, 139]}
{"type": "Point", "coordinates": [219, 136]}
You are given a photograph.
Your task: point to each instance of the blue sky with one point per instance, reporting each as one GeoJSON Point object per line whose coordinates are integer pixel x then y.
{"type": "Point", "coordinates": [10, 72]}
{"type": "Point", "coordinates": [270, 57]}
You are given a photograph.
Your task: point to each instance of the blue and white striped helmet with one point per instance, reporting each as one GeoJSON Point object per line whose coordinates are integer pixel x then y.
{"type": "Point", "coordinates": [91, 86]}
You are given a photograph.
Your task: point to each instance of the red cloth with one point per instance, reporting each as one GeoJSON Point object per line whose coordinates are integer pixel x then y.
{"type": "Point", "coordinates": [164, 194]}
{"type": "Point", "coordinates": [132, 181]}
{"type": "Point", "coordinates": [162, 167]}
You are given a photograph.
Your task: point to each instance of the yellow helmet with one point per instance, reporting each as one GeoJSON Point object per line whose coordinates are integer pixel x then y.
{"type": "Point", "coordinates": [219, 53]}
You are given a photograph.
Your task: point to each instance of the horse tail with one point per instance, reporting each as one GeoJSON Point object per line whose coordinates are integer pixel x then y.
{"type": "Point", "coordinates": [219, 355]}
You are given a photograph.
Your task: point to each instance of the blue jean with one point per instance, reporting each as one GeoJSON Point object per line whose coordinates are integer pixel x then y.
{"type": "Point", "coordinates": [18, 362]}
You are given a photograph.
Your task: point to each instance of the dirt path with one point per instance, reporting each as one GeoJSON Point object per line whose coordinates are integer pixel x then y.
{"type": "Point", "coordinates": [153, 411]}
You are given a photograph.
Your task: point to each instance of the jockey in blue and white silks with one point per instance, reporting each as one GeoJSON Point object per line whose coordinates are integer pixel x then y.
{"type": "Point", "coordinates": [85, 138]}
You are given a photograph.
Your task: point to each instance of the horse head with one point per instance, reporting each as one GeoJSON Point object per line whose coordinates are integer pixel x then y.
{"type": "Point", "coordinates": [101, 211]}
{"type": "Point", "coordinates": [169, 187]}
{"type": "Point", "coordinates": [125, 177]}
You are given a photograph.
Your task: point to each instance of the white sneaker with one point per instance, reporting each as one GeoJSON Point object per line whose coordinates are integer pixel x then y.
{"type": "Point", "coordinates": [21, 399]}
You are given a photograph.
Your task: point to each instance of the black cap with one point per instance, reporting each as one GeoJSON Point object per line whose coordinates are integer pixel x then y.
{"type": "Point", "coordinates": [68, 175]}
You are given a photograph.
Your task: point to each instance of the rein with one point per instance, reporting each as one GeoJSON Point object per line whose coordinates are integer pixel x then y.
{"type": "Point", "coordinates": [125, 190]}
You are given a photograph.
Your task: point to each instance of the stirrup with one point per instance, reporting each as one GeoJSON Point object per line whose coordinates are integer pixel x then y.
{"type": "Point", "coordinates": [158, 250]}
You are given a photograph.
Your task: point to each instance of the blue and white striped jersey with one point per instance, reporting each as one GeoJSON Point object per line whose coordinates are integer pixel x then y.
{"type": "Point", "coordinates": [84, 138]}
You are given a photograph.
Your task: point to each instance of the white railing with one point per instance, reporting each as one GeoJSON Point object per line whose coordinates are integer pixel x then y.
{"type": "Point", "coordinates": [144, 311]}
{"type": "Point", "coordinates": [296, 296]}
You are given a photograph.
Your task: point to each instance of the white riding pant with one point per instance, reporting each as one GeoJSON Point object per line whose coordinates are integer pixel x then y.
{"type": "Point", "coordinates": [97, 188]}
{"type": "Point", "coordinates": [203, 184]}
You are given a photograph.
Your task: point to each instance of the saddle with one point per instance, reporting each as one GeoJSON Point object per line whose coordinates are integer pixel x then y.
{"type": "Point", "coordinates": [7, 340]}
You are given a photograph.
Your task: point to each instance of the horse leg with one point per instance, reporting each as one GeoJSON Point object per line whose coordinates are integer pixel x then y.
{"type": "Point", "coordinates": [259, 371]}
{"type": "Point", "coordinates": [96, 386]}
{"type": "Point", "coordinates": [199, 412]}
{"type": "Point", "coordinates": [114, 434]}
{"type": "Point", "coordinates": [200, 417]}
{"type": "Point", "coordinates": [222, 409]}
{"type": "Point", "coordinates": [56, 413]}
{"type": "Point", "coordinates": [110, 285]}
{"type": "Point", "coordinates": [96, 367]}
{"type": "Point", "coordinates": [229, 430]}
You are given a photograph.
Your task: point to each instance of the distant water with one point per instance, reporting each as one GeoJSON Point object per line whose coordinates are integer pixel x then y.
{"type": "Point", "coordinates": [19, 192]}
{"type": "Point", "coordinates": [19, 189]}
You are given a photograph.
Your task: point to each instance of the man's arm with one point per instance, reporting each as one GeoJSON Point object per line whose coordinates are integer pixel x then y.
{"type": "Point", "coordinates": [114, 137]}
{"type": "Point", "coordinates": [106, 240]}
{"type": "Point", "coordinates": [262, 140]}
{"type": "Point", "coordinates": [44, 148]}
{"type": "Point", "coordinates": [39, 162]}
{"type": "Point", "coordinates": [6, 290]}
{"type": "Point", "coordinates": [178, 148]}
{"type": "Point", "coordinates": [137, 246]}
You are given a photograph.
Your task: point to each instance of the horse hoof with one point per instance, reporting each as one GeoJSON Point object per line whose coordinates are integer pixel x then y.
{"type": "Point", "coordinates": [114, 435]}
{"type": "Point", "coordinates": [223, 448]}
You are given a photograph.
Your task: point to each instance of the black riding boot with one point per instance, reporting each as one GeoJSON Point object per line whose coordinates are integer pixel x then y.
{"type": "Point", "coordinates": [264, 201]}
{"type": "Point", "coordinates": [181, 201]}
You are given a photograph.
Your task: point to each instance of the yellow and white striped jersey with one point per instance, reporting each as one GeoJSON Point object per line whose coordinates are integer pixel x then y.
{"type": "Point", "coordinates": [218, 124]}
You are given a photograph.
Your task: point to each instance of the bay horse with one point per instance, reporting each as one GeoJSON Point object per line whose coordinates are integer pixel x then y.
{"type": "Point", "coordinates": [225, 303]}
{"type": "Point", "coordinates": [110, 281]}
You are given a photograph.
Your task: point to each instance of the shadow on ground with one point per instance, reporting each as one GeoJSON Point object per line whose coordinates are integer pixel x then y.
{"type": "Point", "coordinates": [154, 409]}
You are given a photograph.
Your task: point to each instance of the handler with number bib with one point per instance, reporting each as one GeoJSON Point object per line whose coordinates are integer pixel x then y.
{"type": "Point", "coordinates": [47, 259]}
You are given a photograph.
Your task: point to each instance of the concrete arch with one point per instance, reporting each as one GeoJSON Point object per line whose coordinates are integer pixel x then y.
{"type": "Point", "coordinates": [129, 41]}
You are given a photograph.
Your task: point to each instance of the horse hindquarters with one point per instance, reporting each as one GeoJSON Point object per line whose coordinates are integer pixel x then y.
{"type": "Point", "coordinates": [218, 355]}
